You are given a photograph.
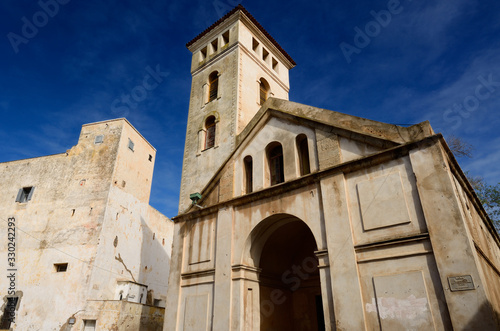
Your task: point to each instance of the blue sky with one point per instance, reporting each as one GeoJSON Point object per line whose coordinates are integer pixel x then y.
{"type": "Point", "coordinates": [399, 62]}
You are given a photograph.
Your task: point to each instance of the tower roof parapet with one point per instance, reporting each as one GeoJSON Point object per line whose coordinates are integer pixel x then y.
{"type": "Point", "coordinates": [243, 10]}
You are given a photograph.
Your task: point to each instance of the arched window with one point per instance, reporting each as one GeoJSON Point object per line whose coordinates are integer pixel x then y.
{"type": "Point", "coordinates": [213, 83]}
{"type": "Point", "coordinates": [210, 132]}
{"type": "Point", "coordinates": [263, 90]}
{"type": "Point", "coordinates": [303, 152]}
{"type": "Point", "coordinates": [248, 168]}
{"type": "Point", "coordinates": [274, 153]}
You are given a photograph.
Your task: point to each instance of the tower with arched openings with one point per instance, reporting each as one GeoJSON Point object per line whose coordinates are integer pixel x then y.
{"type": "Point", "coordinates": [310, 219]}
{"type": "Point", "coordinates": [236, 66]}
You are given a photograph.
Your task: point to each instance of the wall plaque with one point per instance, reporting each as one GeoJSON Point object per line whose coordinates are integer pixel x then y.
{"type": "Point", "coordinates": [461, 283]}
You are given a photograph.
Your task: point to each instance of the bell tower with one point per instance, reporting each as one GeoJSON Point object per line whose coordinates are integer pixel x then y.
{"type": "Point", "coordinates": [236, 66]}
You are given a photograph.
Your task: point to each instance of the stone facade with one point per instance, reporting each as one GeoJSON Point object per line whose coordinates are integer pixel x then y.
{"type": "Point", "coordinates": [312, 219]}
{"type": "Point", "coordinates": [88, 245]}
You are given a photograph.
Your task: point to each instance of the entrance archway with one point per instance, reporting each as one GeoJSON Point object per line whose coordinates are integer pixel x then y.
{"type": "Point", "coordinates": [289, 282]}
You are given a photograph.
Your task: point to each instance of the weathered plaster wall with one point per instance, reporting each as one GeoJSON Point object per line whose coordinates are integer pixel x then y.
{"type": "Point", "coordinates": [352, 149]}
{"type": "Point", "coordinates": [134, 245]}
{"type": "Point", "coordinates": [372, 192]}
{"type": "Point", "coordinates": [252, 68]}
{"type": "Point", "coordinates": [60, 224]}
{"type": "Point", "coordinates": [134, 168]}
{"type": "Point", "coordinates": [453, 248]}
{"type": "Point", "coordinates": [79, 201]}
{"type": "Point", "coordinates": [384, 206]}
{"type": "Point", "coordinates": [327, 146]}
{"type": "Point", "coordinates": [276, 130]}
{"type": "Point", "coordinates": [487, 254]}
{"type": "Point", "coordinates": [113, 315]}
{"type": "Point", "coordinates": [381, 243]}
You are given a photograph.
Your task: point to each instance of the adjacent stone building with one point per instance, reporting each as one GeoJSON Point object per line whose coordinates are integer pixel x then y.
{"type": "Point", "coordinates": [299, 218]}
{"type": "Point", "coordinates": [87, 250]}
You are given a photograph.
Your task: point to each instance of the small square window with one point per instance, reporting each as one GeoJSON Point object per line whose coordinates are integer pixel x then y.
{"type": "Point", "coordinates": [225, 38]}
{"type": "Point", "coordinates": [203, 54]}
{"type": "Point", "coordinates": [255, 45]}
{"type": "Point", "coordinates": [89, 325]}
{"type": "Point", "coordinates": [265, 55]}
{"type": "Point", "coordinates": [99, 139]}
{"type": "Point", "coordinates": [131, 145]}
{"type": "Point", "coordinates": [275, 65]}
{"type": "Point", "coordinates": [61, 267]}
{"type": "Point", "coordinates": [150, 158]}
{"type": "Point", "coordinates": [24, 195]}
{"type": "Point", "coordinates": [214, 45]}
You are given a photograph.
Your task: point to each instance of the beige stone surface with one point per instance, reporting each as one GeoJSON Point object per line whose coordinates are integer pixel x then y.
{"type": "Point", "coordinates": [370, 239]}
{"type": "Point", "coordinates": [121, 315]}
{"type": "Point", "coordinates": [377, 196]}
{"type": "Point", "coordinates": [89, 209]}
{"type": "Point", "coordinates": [379, 264]}
{"type": "Point", "coordinates": [328, 149]}
{"type": "Point", "coordinates": [452, 244]}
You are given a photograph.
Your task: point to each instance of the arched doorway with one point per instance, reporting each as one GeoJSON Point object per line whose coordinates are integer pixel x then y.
{"type": "Point", "coordinates": [289, 282]}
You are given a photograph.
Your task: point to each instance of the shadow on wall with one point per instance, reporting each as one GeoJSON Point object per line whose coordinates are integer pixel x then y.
{"type": "Point", "coordinates": [153, 272]}
{"type": "Point", "coordinates": [478, 322]}
{"type": "Point", "coordinates": [155, 263]}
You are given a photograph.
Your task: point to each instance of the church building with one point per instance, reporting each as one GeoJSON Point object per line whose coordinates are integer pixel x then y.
{"type": "Point", "coordinates": [293, 217]}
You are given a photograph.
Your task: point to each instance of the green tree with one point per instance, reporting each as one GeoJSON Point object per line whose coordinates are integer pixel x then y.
{"type": "Point", "coordinates": [489, 195]}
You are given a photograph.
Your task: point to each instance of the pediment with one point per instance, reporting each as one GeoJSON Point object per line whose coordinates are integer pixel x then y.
{"type": "Point", "coordinates": [328, 138]}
